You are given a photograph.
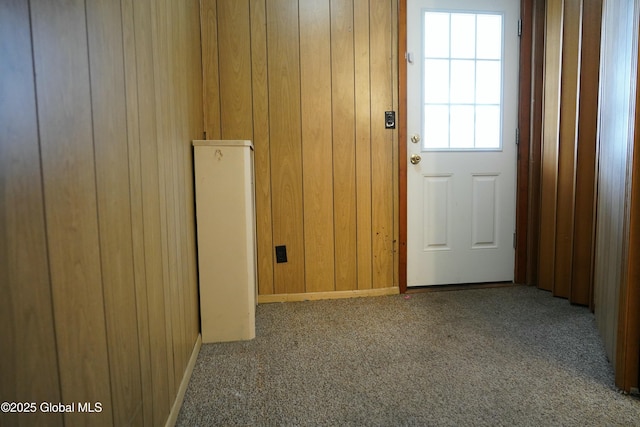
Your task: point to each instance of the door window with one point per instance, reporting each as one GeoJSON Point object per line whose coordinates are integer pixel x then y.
{"type": "Point", "coordinates": [462, 81]}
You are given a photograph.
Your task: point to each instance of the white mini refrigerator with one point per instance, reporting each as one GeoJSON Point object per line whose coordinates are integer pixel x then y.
{"type": "Point", "coordinates": [225, 215]}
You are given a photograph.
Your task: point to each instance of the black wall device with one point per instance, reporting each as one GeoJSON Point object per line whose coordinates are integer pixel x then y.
{"type": "Point", "coordinates": [281, 254]}
{"type": "Point", "coordinates": [389, 119]}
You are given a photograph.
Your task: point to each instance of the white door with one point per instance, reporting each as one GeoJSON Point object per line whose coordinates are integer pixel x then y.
{"type": "Point", "coordinates": [462, 93]}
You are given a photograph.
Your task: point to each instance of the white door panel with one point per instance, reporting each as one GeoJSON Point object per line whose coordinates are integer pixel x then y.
{"type": "Point", "coordinates": [437, 212]}
{"type": "Point", "coordinates": [484, 212]}
{"type": "Point", "coordinates": [462, 106]}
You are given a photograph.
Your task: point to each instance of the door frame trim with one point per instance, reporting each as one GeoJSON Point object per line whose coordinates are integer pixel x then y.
{"type": "Point", "coordinates": [522, 167]}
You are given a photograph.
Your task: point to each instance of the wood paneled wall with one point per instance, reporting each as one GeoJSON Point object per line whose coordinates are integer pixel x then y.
{"type": "Point", "coordinates": [308, 81]}
{"type": "Point", "coordinates": [567, 178]}
{"type": "Point", "coordinates": [614, 280]}
{"type": "Point", "coordinates": [100, 101]}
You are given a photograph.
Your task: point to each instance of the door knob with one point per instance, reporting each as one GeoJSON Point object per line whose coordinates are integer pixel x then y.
{"type": "Point", "coordinates": [415, 159]}
{"type": "Point", "coordinates": [415, 138]}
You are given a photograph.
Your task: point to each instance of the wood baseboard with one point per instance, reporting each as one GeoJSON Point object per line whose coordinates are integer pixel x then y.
{"type": "Point", "coordinates": [460, 287]}
{"type": "Point", "coordinates": [177, 404]}
{"type": "Point", "coordinates": [313, 296]}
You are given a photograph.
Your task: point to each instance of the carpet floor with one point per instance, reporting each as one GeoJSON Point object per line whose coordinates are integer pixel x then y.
{"type": "Point", "coordinates": [512, 356]}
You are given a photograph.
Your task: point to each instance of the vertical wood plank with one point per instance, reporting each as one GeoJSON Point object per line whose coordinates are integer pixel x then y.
{"type": "Point", "coordinates": [153, 188]}
{"type": "Point", "coordinates": [185, 180]}
{"type": "Point", "coordinates": [179, 103]}
{"type": "Point", "coordinates": [535, 151]}
{"type": "Point", "coordinates": [381, 144]}
{"type": "Point", "coordinates": [402, 148]}
{"type": "Point", "coordinates": [195, 128]}
{"type": "Point", "coordinates": [179, 66]}
{"type": "Point", "coordinates": [363, 143]}
{"type": "Point", "coordinates": [549, 161]}
{"type": "Point", "coordinates": [171, 98]}
{"type": "Point", "coordinates": [261, 144]}
{"type": "Point", "coordinates": [64, 107]}
{"type": "Point", "coordinates": [394, 145]}
{"type": "Point", "coordinates": [286, 151]}
{"type": "Point", "coordinates": [106, 68]}
{"type": "Point", "coordinates": [617, 89]}
{"type": "Point", "coordinates": [194, 125]}
{"type": "Point", "coordinates": [164, 131]}
{"type": "Point", "coordinates": [195, 81]}
{"type": "Point", "coordinates": [234, 46]}
{"type": "Point", "coordinates": [567, 146]}
{"type": "Point", "coordinates": [210, 73]}
{"type": "Point", "coordinates": [29, 368]}
{"type": "Point", "coordinates": [583, 230]}
{"type": "Point", "coordinates": [525, 86]}
{"type": "Point", "coordinates": [317, 168]}
{"type": "Point", "coordinates": [628, 349]}
{"type": "Point", "coordinates": [344, 143]}
{"type": "Point", "coordinates": [137, 214]}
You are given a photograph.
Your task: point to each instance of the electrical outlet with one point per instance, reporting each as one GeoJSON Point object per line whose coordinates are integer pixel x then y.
{"type": "Point", "coordinates": [281, 254]}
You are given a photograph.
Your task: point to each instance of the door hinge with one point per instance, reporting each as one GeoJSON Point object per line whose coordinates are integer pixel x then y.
{"type": "Point", "coordinates": [514, 240]}
{"type": "Point", "coordinates": [519, 27]}
{"type": "Point", "coordinates": [517, 136]}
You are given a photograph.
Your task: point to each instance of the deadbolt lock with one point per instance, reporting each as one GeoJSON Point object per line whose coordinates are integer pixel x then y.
{"type": "Point", "coordinates": [415, 138]}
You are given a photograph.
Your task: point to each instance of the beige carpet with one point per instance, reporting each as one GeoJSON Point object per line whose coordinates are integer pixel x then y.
{"type": "Point", "coordinates": [503, 356]}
